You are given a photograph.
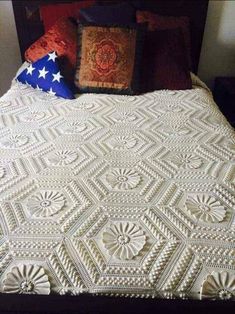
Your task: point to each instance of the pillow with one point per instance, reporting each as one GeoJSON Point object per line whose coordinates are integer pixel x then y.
{"type": "Point", "coordinates": [45, 75]}
{"type": "Point", "coordinates": [122, 13]}
{"type": "Point", "coordinates": [158, 22]}
{"type": "Point", "coordinates": [109, 59]}
{"type": "Point", "coordinates": [62, 38]}
{"type": "Point", "coordinates": [165, 63]}
{"type": "Point", "coordinates": [53, 12]}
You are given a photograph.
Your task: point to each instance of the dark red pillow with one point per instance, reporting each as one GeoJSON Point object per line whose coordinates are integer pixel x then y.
{"type": "Point", "coordinates": [52, 12]}
{"type": "Point", "coordinates": [62, 38]}
{"type": "Point", "coordinates": [165, 65]}
{"type": "Point", "coordinates": [158, 22]}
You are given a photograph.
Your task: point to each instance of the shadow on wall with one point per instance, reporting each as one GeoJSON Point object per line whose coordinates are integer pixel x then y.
{"type": "Point", "coordinates": [218, 48]}
{"type": "Point", "coordinates": [10, 59]}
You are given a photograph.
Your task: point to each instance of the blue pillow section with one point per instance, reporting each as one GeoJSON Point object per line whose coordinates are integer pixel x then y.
{"type": "Point", "coordinates": [122, 13]}
{"type": "Point", "coordinates": [44, 74]}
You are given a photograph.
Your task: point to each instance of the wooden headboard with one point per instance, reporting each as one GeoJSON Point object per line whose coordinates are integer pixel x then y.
{"type": "Point", "coordinates": [30, 27]}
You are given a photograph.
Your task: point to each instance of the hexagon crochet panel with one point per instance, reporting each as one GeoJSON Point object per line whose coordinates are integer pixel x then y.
{"type": "Point", "coordinates": [121, 195]}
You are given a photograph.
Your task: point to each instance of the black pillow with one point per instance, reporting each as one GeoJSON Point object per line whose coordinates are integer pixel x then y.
{"type": "Point", "coordinates": [122, 13]}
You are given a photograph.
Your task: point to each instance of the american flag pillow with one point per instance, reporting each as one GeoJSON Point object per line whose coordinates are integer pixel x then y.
{"type": "Point", "coordinates": [44, 75]}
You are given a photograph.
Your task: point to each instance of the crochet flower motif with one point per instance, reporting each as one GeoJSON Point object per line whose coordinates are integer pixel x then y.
{"type": "Point", "coordinates": [27, 279]}
{"type": "Point", "coordinates": [124, 240]}
{"type": "Point", "coordinates": [175, 130]}
{"type": "Point", "coordinates": [205, 208]}
{"type": "Point", "coordinates": [124, 98]}
{"type": "Point", "coordinates": [124, 117]}
{"type": "Point", "coordinates": [171, 108]}
{"type": "Point", "coordinates": [187, 161]}
{"type": "Point", "coordinates": [218, 286]}
{"type": "Point", "coordinates": [15, 141]}
{"type": "Point", "coordinates": [45, 204]}
{"type": "Point", "coordinates": [75, 127]}
{"type": "Point", "coordinates": [34, 116]}
{"type": "Point", "coordinates": [44, 96]}
{"type": "Point", "coordinates": [83, 105]}
{"type": "Point", "coordinates": [123, 179]}
{"type": "Point", "coordinates": [63, 158]}
{"type": "Point", "coordinates": [124, 142]}
{"type": "Point", "coordinates": [2, 172]}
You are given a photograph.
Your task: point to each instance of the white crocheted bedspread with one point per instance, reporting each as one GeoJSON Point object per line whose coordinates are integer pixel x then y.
{"type": "Point", "coordinates": [120, 195]}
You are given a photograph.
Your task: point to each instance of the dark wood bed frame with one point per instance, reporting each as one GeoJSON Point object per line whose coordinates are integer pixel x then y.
{"type": "Point", "coordinates": [29, 28]}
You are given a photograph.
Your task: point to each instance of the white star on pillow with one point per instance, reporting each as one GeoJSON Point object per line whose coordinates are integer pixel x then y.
{"type": "Point", "coordinates": [57, 77]}
{"type": "Point", "coordinates": [30, 69]}
{"type": "Point", "coordinates": [42, 73]}
{"type": "Point", "coordinates": [38, 88]}
{"type": "Point", "coordinates": [51, 92]}
{"type": "Point", "coordinates": [52, 56]}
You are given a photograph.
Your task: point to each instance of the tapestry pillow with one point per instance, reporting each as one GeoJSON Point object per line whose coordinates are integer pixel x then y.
{"type": "Point", "coordinates": [165, 65]}
{"type": "Point", "coordinates": [50, 13]}
{"type": "Point", "coordinates": [122, 13]}
{"type": "Point", "coordinates": [62, 38]}
{"type": "Point", "coordinates": [109, 59]}
{"type": "Point", "coordinates": [45, 75]}
{"type": "Point", "coordinates": [158, 22]}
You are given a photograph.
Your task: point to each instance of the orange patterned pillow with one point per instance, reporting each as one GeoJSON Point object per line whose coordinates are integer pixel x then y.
{"type": "Point", "coordinates": [62, 38]}
{"type": "Point", "coordinates": [108, 60]}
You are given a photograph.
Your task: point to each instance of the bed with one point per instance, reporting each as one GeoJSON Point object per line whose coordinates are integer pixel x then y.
{"type": "Point", "coordinates": [111, 198]}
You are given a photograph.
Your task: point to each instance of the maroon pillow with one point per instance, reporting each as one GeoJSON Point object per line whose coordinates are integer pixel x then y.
{"type": "Point", "coordinates": [159, 22]}
{"type": "Point", "coordinates": [165, 64]}
{"type": "Point", "coordinates": [51, 13]}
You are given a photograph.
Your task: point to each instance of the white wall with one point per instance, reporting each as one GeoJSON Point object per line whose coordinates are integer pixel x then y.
{"type": "Point", "coordinates": [218, 49]}
{"type": "Point", "coordinates": [10, 59]}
